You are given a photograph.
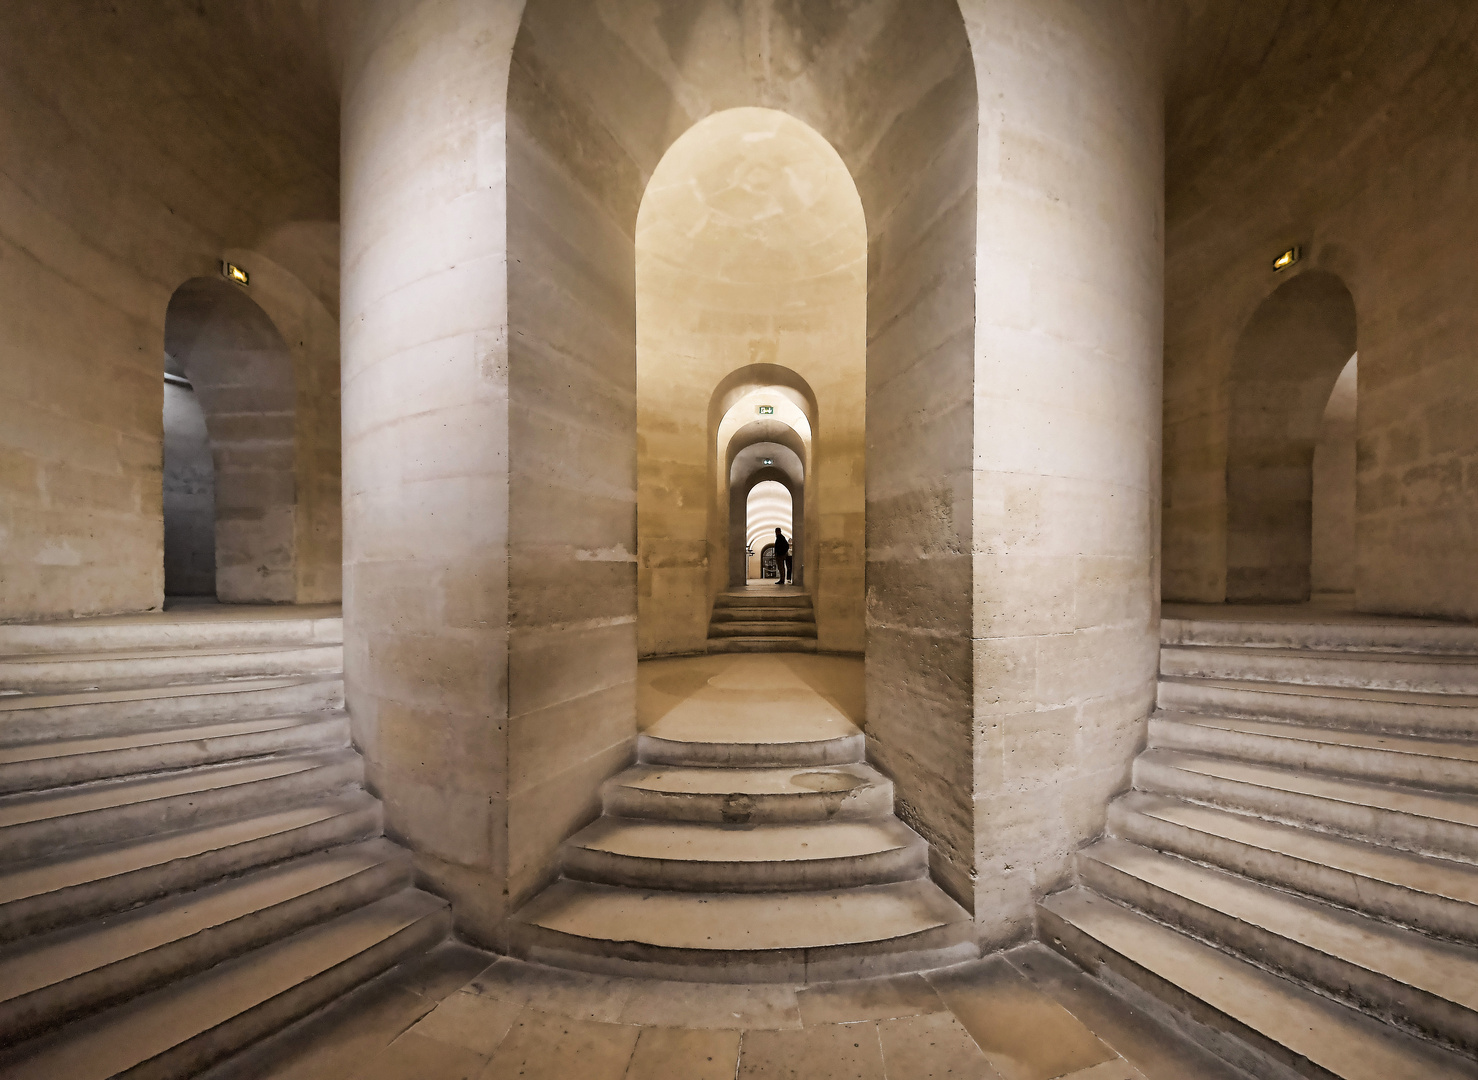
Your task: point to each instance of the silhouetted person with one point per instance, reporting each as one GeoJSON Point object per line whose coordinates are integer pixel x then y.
{"type": "Point", "coordinates": [784, 566]}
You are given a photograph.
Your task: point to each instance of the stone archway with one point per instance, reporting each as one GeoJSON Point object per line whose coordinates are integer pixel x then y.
{"type": "Point", "coordinates": [241, 371]}
{"type": "Point", "coordinates": [1286, 362]}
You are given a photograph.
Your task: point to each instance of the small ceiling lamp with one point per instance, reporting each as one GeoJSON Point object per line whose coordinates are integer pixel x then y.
{"type": "Point", "coordinates": [231, 272]}
{"type": "Point", "coordinates": [1288, 258]}
{"type": "Point", "coordinates": [769, 461]}
{"type": "Point", "coordinates": [767, 410]}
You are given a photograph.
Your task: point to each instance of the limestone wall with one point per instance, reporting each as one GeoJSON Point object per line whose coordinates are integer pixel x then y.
{"type": "Point", "coordinates": [141, 145]}
{"type": "Point", "coordinates": [426, 430]}
{"type": "Point", "coordinates": [1352, 137]}
{"type": "Point", "coordinates": [1332, 558]}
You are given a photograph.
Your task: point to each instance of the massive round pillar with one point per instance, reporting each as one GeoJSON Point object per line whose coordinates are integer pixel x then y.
{"type": "Point", "coordinates": [1066, 432]}
{"type": "Point", "coordinates": [425, 408]}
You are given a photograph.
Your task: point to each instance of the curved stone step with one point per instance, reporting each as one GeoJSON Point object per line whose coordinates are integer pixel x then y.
{"type": "Point", "coordinates": [1439, 895]}
{"type": "Point", "coordinates": [1430, 822]}
{"type": "Point", "coordinates": [34, 825]}
{"type": "Point", "coordinates": [745, 858]}
{"type": "Point", "coordinates": [29, 718]}
{"type": "Point", "coordinates": [1419, 672]}
{"type": "Point", "coordinates": [56, 892]}
{"type": "Point", "coordinates": [1446, 764]}
{"type": "Point", "coordinates": [758, 644]}
{"type": "Point", "coordinates": [789, 741]}
{"type": "Point", "coordinates": [179, 1030]}
{"type": "Point", "coordinates": [65, 672]}
{"type": "Point", "coordinates": [1415, 982]}
{"type": "Point", "coordinates": [1233, 1005]}
{"type": "Point", "coordinates": [48, 978]}
{"type": "Point", "coordinates": [223, 626]}
{"type": "Point", "coordinates": [744, 937]}
{"type": "Point", "coordinates": [767, 628]}
{"type": "Point", "coordinates": [34, 766]}
{"type": "Point", "coordinates": [1338, 706]}
{"type": "Point", "coordinates": [749, 796]}
{"type": "Point", "coordinates": [1333, 632]}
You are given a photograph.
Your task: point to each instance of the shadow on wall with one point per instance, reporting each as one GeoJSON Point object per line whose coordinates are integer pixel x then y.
{"type": "Point", "coordinates": [1286, 364]}
{"type": "Point", "coordinates": [1333, 560]}
{"type": "Point", "coordinates": [189, 491]}
{"type": "Point", "coordinates": [242, 375]}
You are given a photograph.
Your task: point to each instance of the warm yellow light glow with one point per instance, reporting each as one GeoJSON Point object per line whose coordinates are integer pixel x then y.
{"type": "Point", "coordinates": [232, 272]}
{"type": "Point", "coordinates": [1287, 259]}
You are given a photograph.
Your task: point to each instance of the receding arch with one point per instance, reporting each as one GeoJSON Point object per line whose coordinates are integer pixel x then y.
{"type": "Point", "coordinates": [751, 327]}
{"type": "Point", "coordinates": [241, 371]}
{"type": "Point", "coordinates": [1286, 362]}
{"type": "Point", "coordinates": [896, 98]}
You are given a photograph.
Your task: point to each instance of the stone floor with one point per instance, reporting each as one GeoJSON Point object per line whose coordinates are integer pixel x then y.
{"type": "Point", "coordinates": [461, 1014]}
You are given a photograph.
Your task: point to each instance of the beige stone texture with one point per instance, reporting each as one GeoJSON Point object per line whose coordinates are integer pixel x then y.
{"type": "Point", "coordinates": [1064, 529]}
{"type": "Point", "coordinates": [426, 434]}
{"type": "Point", "coordinates": [1332, 557]}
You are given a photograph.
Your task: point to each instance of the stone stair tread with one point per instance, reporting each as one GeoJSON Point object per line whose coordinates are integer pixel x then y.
{"type": "Point", "coordinates": [51, 958]}
{"type": "Point", "coordinates": [1334, 1037]}
{"type": "Point", "coordinates": [803, 720]}
{"type": "Point", "coordinates": [105, 794]}
{"type": "Point", "coordinates": [1438, 877]}
{"type": "Point", "coordinates": [153, 1024]}
{"type": "Point", "coordinates": [1381, 657]}
{"type": "Point", "coordinates": [37, 751]}
{"type": "Point", "coordinates": [800, 780]}
{"type": "Point", "coordinates": [95, 864]}
{"type": "Point", "coordinates": [1349, 693]}
{"type": "Point", "coordinates": [1405, 800]}
{"type": "Point", "coordinates": [213, 685]}
{"type": "Point", "coordinates": [1442, 969]}
{"type": "Point", "coordinates": [166, 652]}
{"type": "Point", "coordinates": [1422, 746]}
{"type": "Point", "coordinates": [742, 922]}
{"type": "Point", "coordinates": [765, 843]}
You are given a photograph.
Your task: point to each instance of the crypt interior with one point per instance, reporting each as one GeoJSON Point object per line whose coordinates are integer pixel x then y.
{"type": "Point", "coordinates": [402, 407]}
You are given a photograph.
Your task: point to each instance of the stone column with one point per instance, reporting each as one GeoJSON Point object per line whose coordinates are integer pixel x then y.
{"type": "Point", "coordinates": [425, 409]}
{"type": "Point", "coordinates": [1067, 394]}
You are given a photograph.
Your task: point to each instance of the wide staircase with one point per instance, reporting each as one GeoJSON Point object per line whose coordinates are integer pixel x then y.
{"type": "Point", "coordinates": [749, 844]}
{"type": "Point", "coordinates": [762, 618]}
{"type": "Point", "coordinates": [188, 859]}
{"type": "Point", "coordinates": [1294, 876]}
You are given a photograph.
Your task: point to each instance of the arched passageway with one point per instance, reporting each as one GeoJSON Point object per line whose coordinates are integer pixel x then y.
{"type": "Point", "coordinates": [751, 251]}
{"type": "Point", "coordinates": [1286, 363]}
{"type": "Point", "coordinates": [241, 373]}
{"type": "Point", "coordinates": [767, 507]}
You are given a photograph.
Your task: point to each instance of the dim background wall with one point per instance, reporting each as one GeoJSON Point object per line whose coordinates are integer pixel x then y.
{"type": "Point", "coordinates": [142, 142]}
{"type": "Point", "coordinates": [1347, 129]}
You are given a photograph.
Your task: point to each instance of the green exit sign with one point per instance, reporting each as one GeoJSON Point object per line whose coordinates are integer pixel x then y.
{"type": "Point", "coordinates": [767, 410]}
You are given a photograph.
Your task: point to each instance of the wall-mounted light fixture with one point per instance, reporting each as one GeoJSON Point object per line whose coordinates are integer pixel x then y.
{"type": "Point", "coordinates": [767, 410]}
{"type": "Point", "coordinates": [769, 461]}
{"type": "Point", "coordinates": [1288, 258]}
{"type": "Point", "coordinates": [231, 272]}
